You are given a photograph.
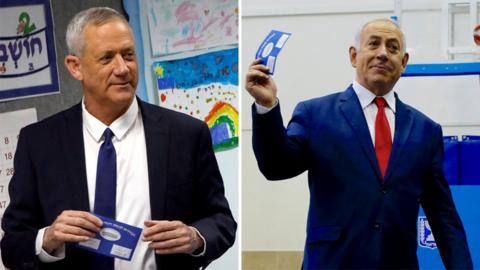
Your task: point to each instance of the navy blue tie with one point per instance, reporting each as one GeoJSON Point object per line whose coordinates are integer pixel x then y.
{"type": "Point", "coordinates": [106, 190]}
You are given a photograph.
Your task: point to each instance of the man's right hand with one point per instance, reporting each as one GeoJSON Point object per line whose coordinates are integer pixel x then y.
{"type": "Point", "coordinates": [70, 226]}
{"type": "Point", "coordinates": [260, 85]}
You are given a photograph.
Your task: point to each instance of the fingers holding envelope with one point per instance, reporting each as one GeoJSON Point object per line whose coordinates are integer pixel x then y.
{"type": "Point", "coordinates": [260, 84]}
{"type": "Point", "coordinates": [70, 226]}
{"type": "Point", "coordinates": [170, 237]}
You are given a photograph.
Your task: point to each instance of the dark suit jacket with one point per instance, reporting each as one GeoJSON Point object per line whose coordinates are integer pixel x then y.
{"type": "Point", "coordinates": [50, 176]}
{"type": "Point", "coordinates": [355, 219]}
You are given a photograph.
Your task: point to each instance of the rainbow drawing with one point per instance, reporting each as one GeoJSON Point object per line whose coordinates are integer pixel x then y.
{"type": "Point", "coordinates": [223, 123]}
{"type": "Point", "coordinates": [205, 87]}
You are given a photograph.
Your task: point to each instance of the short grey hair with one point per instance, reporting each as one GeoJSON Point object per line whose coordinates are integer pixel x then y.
{"type": "Point", "coordinates": [96, 16]}
{"type": "Point", "coordinates": [358, 34]}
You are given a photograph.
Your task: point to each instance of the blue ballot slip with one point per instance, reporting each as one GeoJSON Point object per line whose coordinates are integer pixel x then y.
{"type": "Point", "coordinates": [115, 239]}
{"type": "Point", "coordinates": [271, 47]}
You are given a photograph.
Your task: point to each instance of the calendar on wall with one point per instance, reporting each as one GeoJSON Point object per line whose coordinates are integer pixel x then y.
{"type": "Point", "coordinates": [10, 125]}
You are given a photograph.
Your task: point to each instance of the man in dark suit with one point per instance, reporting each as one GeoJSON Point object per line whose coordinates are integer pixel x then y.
{"type": "Point", "coordinates": [166, 178]}
{"type": "Point", "coordinates": [371, 161]}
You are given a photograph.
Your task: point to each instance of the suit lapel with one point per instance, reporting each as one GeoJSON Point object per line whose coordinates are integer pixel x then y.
{"type": "Point", "coordinates": [403, 127]}
{"type": "Point", "coordinates": [74, 151]}
{"type": "Point", "coordinates": [156, 137]}
{"type": "Point", "coordinates": [353, 113]}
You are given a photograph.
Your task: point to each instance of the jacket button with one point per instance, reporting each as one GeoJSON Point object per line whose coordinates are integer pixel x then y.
{"type": "Point", "coordinates": [376, 225]}
{"type": "Point", "coordinates": [384, 191]}
{"type": "Point", "coordinates": [28, 265]}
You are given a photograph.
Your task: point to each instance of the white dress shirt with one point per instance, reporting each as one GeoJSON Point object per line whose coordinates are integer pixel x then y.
{"type": "Point", "coordinates": [367, 101]}
{"type": "Point", "coordinates": [133, 197]}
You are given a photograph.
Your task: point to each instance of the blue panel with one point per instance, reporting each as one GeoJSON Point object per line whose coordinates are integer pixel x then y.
{"type": "Point", "coordinates": [466, 198]}
{"type": "Point", "coordinates": [452, 69]}
{"type": "Point", "coordinates": [133, 11]}
{"type": "Point", "coordinates": [450, 164]}
{"type": "Point", "coordinates": [469, 160]}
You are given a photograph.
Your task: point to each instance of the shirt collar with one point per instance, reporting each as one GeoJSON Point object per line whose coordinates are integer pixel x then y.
{"type": "Point", "coordinates": [119, 127]}
{"type": "Point", "coordinates": [366, 97]}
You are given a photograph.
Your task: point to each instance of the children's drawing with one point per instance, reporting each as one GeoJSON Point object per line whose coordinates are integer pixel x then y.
{"type": "Point", "coordinates": [185, 25]}
{"type": "Point", "coordinates": [206, 87]}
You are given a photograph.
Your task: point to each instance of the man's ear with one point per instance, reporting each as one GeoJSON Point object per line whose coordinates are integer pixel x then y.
{"type": "Point", "coordinates": [406, 56]}
{"type": "Point", "coordinates": [72, 63]}
{"type": "Point", "coordinates": [353, 56]}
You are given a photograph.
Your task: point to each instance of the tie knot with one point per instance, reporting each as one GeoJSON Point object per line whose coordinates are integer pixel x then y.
{"type": "Point", "coordinates": [380, 102]}
{"type": "Point", "coordinates": [108, 134]}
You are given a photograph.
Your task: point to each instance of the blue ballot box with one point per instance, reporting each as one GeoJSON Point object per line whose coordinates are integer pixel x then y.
{"type": "Point", "coordinates": [465, 198]}
{"type": "Point", "coordinates": [451, 159]}
{"type": "Point", "coordinates": [461, 165]}
{"type": "Point", "coordinates": [470, 160]}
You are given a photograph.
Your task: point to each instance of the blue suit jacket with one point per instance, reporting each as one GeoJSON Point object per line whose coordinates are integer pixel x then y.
{"type": "Point", "coordinates": [50, 176]}
{"type": "Point", "coordinates": [356, 220]}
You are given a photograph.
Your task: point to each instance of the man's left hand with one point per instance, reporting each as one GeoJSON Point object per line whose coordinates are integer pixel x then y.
{"type": "Point", "coordinates": [170, 237]}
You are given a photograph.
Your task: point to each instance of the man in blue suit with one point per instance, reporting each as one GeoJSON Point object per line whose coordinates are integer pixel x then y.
{"type": "Point", "coordinates": [371, 159]}
{"type": "Point", "coordinates": [165, 176]}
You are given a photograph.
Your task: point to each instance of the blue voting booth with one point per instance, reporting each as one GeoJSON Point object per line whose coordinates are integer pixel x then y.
{"type": "Point", "coordinates": [462, 169]}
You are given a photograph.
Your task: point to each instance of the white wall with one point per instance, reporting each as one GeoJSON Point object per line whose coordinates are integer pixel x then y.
{"type": "Point", "coordinates": [314, 62]}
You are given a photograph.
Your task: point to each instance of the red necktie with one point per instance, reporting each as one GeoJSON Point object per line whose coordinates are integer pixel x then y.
{"type": "Point", "coordinates": [383, 136]}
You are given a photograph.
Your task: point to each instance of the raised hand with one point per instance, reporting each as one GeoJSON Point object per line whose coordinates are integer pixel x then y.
{"type": "Point", "coordinates": [260, 84]}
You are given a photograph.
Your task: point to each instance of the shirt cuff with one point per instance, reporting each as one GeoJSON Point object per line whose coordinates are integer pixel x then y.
{"type": "Point", "coordinates": [43, 256]}
{"type": "Point", "coordinates": [262, 109]}
{"type": "Point", "coordinates": [196, 254]}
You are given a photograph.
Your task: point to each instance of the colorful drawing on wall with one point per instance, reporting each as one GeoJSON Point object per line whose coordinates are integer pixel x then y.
{"type": "Point", "coordinates": [181, 25]}
{"type": "Point", "coordinates": [206, 87]}
{"type": "Point", "coordinates": [28, 65]}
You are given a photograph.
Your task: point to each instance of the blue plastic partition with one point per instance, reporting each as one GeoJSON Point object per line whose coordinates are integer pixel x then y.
{"type": "Point", "coordinates": [461, 165]}
{"type": "Point", "coordinates": [470, 160]}
{"type": "Point", "coordinates": [451, 162]}
{"type": "Point", "coordinates": [465, 198]}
